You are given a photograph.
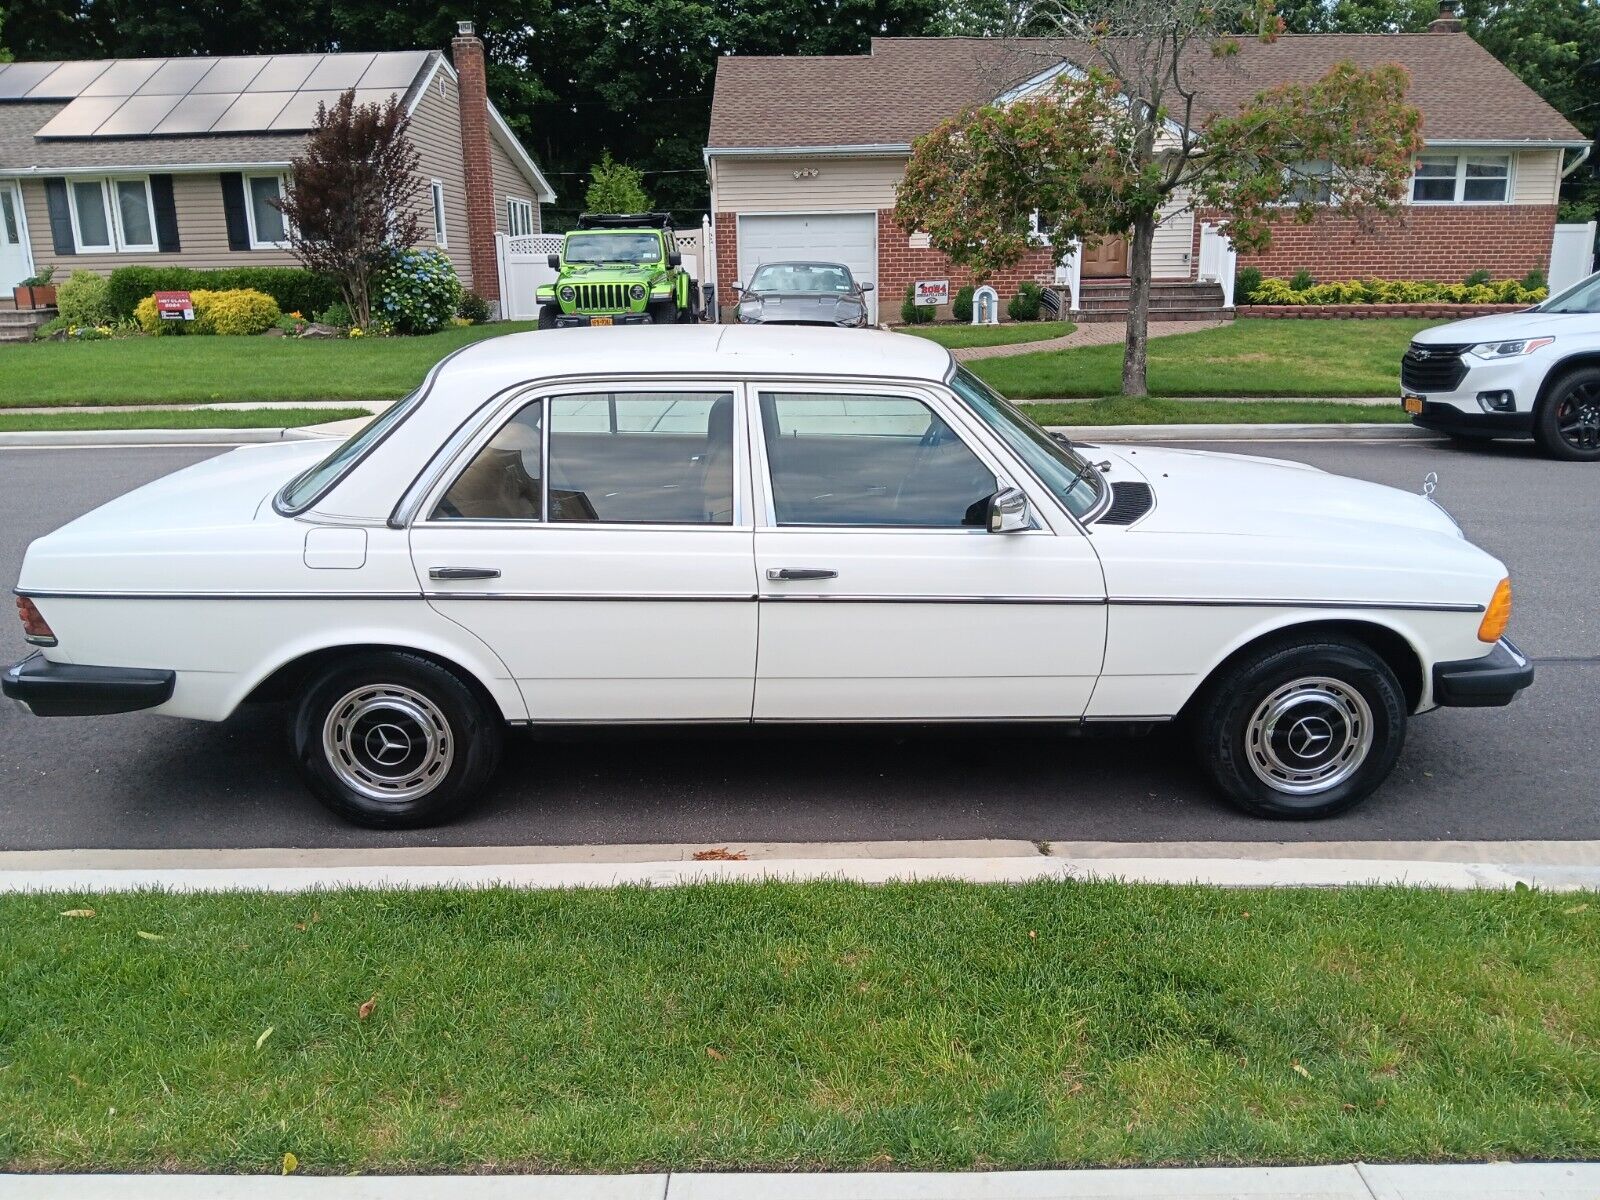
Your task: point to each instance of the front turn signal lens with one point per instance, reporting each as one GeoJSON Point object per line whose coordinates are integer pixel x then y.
{"type": "Point", "coordinates": [35, 630]}
{"type": "Point", "coordinates": [1498, 614]}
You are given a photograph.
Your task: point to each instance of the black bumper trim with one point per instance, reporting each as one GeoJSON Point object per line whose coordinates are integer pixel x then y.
{"type": "Point", "coordinates": [1448, 419]}
{"type": "Point", "coordinates": [50, 689]}
{"type": "Point", "coordinates": [1486, 682]}
{"type": "Point", "coordinates": [583, 321]}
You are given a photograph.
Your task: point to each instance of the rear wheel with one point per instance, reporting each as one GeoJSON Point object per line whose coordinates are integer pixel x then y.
{"type": "Point", "coordinates": [1301, 730]}
{"type": "Point", "coordinates": [1567, 424]}
{"type": "Point", "coordinates": [547, 316]}
{"type": "Point", "coordinates": [395, 741]}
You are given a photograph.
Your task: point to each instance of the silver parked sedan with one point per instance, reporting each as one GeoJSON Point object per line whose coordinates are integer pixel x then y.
{"type": "Point", "coordinates": [804, 293]}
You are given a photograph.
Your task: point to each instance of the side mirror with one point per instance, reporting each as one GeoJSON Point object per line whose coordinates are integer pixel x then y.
{"type": "Point", "coordinates": [1008, 511]}
{"type": "Point", "coordinates": [867, 287]}
{"type": "Point", "coordinates": [674, 259]}
{"type": "Point", "coordinates": [736, 288]}
{"type": "Point", "coordinates": [554, 260]}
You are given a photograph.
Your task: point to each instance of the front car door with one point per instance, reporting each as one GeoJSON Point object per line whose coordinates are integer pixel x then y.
{"type": "Point", "coordinates": [597, 538]}
{"type": "Point", "coordinates": [883, 595]}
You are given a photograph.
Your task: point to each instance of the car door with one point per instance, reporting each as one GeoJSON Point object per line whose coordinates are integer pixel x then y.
{"type": "Point", "coordinates": [597, 538]}
{"type": "Point", "coordinates": [883, 595]}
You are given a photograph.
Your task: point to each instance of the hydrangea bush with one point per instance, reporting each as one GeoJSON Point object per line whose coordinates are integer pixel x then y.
{"type": "Point", "coordinates": [417, 292]}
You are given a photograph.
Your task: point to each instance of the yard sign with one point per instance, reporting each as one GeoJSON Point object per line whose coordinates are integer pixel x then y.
{"type": "Point", "coordinates": [933, 292]}
{"type": "Point", "coordinates": [175, 306]}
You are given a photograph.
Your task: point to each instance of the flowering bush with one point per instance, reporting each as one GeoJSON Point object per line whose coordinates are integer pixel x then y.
{"type": "Point", "coordinates": [1395, 291]}
{"type": "Point", "coordinates": [417, 292]}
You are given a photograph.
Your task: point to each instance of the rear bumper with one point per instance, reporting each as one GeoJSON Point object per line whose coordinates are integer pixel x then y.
{"type": "Point", "coordinates": [48, 689]}
{"type": "Point", "coordinates": [1486, 682]}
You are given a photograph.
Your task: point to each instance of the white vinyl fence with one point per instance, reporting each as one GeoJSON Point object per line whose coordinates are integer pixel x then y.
{"type": "Point", "coordinates": [1571, 255]}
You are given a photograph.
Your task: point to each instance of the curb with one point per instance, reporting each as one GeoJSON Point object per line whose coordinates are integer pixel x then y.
{"type": "Point", "coordinates": [1355, 432]}
{"type": "Point", "coordinates": [152, 437]}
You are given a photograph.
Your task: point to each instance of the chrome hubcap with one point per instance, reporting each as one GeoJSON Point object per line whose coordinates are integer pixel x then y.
{"type": "Point", "coordinates": [388, 742]}
{"type": "Point", "coordinates": [1309, 736]}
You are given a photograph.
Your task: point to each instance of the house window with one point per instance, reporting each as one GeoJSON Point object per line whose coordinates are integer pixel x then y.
{"type": "Point", "coordinates": [439, 238]}
{"type": "Point", "coordinates": [1309, 183]}
{"type": "Point", "coordinates": [110, 215]}
{"type": "Point", "coordinates": [268, 230]}
{"type": "Point", "coordinates": [1462, 179]}
{"type": "Point", "coordinates": [519, 217]}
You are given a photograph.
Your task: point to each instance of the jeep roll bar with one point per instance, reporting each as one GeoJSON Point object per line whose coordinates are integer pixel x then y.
{"type": "Point", "coordinates": [653, 220]}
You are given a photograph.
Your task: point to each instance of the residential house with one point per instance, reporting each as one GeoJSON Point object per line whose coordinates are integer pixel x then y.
{"type": "Point", "coordinates": [805, 153]}
{"type": "Point", "coordinates": [177, 161]}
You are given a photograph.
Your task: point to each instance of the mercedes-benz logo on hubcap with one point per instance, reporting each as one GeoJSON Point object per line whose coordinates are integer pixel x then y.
{"type": "Point", "coordinates": [1310, 736]}
{"type": "Point", "coordinates": [387, 745]}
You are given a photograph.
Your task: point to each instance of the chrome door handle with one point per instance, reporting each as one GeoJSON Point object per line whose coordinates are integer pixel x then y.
{"type": "Point", "coordinates": [785, 574]}
{"type": "Point", "coordinates": [463, 573]}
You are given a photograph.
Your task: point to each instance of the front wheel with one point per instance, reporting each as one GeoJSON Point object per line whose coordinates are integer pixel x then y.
{"type": "Point", "coordinates": [1298, 731]}
{"type": "Point", "coordinates": [394, 741]}
{"type": "Point", "coordinates": [547, 316]}
{"type": "Point", "coordinates": [1567, 424]}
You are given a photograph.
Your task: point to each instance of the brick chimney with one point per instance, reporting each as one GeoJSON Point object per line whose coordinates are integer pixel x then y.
{"type": "Point", "coordinates": [466, 52]}
{"type": "Point", "coordinates": [1449, 18]}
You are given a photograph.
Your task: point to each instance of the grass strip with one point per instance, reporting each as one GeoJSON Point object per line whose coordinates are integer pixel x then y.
{"type": "Point", "coordinates": [200, 418]}
{"type": "Point", "coordinates": [796, 1025]}
{"type": "Point", "coordinates": [197, 370]}
{"type": "Point", "coordinates": [1143, 410]}
{"type": "Point", "coordinates": [956, 337]}
{"type": "Point", "coordinates": [1249, 357]}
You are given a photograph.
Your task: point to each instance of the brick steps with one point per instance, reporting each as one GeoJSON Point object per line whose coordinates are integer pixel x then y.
{"type": "Point", "coordinates": [1169, 301]}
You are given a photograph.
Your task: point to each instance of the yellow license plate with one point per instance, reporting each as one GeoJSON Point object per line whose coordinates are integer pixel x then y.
{"type": "Point", "coordinates": [599, 320]}
{"type": "Point", "coordinates": [1412, 404]}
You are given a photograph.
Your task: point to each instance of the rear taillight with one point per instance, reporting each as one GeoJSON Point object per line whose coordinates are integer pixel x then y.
{"type": "Point", "coordinates": [34, 627]}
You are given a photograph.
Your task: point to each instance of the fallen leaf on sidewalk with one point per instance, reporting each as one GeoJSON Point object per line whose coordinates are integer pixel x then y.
{"type": "Point", "coordinates": [265, 1034]}
{"type": "Point", "coordinates": [78, 912]}
{"type": "Point", "coordinates": [720, 854]}
{"type": "Point", "coordinates": [290, 1162]}
{"type": "Point", "coordinates": [365, 1010]}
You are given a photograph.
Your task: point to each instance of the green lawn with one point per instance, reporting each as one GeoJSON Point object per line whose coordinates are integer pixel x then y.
{"type": "Point", "coordinates": [200, 418]}
{"type": "Point", "coordinates": [818, 1025]}
{"type": "Point", "coordinates": [1123, 410]}
{"type": "Point", "coordinates": [1251, 357]}
{"type": "Point", "coordinates": [954, 337]}
{"type": "Point", "coordinates": [182, 370]}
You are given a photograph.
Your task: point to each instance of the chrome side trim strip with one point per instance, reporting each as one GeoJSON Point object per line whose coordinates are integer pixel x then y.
{"type": "Point", "coordinates": [84, 595]}
{"type": "Point", "coordinates": [586, 597]}
{"type": "Point", "coordinates": [854, 599]}
{"type": "Point", "coordinates": [1246, 602]}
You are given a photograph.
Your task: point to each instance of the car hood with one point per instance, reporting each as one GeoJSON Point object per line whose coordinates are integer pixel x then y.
{"type": "Point", "coordinates": [1498, 327]}
{"type": "Point", "coordinates": [788, 306]}
{"type": "Point", "coordinates": [1201, 491]}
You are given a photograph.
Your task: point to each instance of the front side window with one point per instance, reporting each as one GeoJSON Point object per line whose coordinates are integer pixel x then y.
{"type": "Point", "coordinates": [870, 460]}
{"type": "Point", "coordinates": [519, 217]}
{"type": "Point", "coordinates": [267, 228]}
{"type": "Point", "coordinates": [1582, 297]}
{"type": "Point", "coordinates": [634, 248]}
{"type": "Point", "coordinates": [1462, 179]}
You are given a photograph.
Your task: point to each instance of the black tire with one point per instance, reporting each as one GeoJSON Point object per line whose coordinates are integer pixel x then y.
{"type": "Point", "coordinates": [662, 312]}
{"type": "Point", "coordinates": [691, 314]}
{"type": "Point", "coordinates": [547, 316]}
{"type": "Point", "coordinates": [1326, 716]}
{"type": "Point", "coordinates": [446, 734]}
{"type": "Point", "coordinates": [1567, 424]}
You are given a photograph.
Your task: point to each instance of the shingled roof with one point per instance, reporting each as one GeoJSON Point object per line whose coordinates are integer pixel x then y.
{"type": "Point", "coordinates": [906, 86]}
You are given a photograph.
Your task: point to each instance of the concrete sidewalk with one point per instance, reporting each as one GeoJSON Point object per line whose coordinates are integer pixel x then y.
{"type": "Point", "coordinates": [1346, 1181]}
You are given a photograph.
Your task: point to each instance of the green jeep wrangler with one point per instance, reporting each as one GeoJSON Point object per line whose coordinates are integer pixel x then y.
{"type": "Point", "coordinates": [619, 269]}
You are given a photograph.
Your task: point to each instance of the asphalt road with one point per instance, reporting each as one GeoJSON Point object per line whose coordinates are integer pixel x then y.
{"type": "Point", "coordinates": [1528, 771]}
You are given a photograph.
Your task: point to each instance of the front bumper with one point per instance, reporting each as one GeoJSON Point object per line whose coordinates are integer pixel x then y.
{"type": "Point", "coordinates": [48, 689]}
{"type": "Point", "coordinates": [1447, 418]}
{"type": "Point", "coordinates": [580, 320]}
{"type": "Point", "coordinates": [1486, 682]}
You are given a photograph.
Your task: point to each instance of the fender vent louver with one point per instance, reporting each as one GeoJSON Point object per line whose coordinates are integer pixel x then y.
{"type": "Point", "coordinates": [1129, 502]}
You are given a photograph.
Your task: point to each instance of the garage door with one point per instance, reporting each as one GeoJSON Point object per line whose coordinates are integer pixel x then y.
{"type": "Point", "coordinates": [848, 238]}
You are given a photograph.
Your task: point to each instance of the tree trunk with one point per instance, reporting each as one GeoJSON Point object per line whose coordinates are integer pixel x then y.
{"type": "Point", "coordinates": [1136, 345]}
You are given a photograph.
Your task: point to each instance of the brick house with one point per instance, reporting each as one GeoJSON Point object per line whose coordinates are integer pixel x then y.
{"type": "Point", "coordinates": [177, 161]}
{"type": "Point", "coordinates": [805, 153]}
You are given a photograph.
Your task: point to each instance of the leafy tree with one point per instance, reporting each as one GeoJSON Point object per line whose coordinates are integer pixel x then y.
{"type": "Point", "coordinates": [615, 188]}
{"type": "Point", "coordinates": [1100, 152]}
{"type": "Point", "coordinates": [354, 196]}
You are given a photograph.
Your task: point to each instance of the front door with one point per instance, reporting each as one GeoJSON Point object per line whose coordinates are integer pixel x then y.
{"type": "Point", "coordinates": [597, 541]}
{"type": "Point", "coordinates": [16, 261]}
{"type": "Point", "coordinates": [883, 595]}
{"type": "Point", "coordinates": [1106, 259]}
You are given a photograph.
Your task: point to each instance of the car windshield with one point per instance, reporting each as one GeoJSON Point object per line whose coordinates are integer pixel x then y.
{"type": "Point", "coordinates": [613, 248]}
{"type": "Point", "coordinates": [1068, 475]}
{"type": "Point", "coordinates": [1581, 298]}
{"type": "Point", "coordinates": [809, 279]}
{"type": "Point", "coordinates": [306, 489]}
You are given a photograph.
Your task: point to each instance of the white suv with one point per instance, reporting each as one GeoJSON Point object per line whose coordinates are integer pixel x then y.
{"type": "Point", "coordinates": [1535, 372]}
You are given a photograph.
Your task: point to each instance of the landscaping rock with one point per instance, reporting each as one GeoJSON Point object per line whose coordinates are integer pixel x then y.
{"type": "Point", "coordinates": [274, 331]}
{"type": "Point", "coordinates": [318, 330]}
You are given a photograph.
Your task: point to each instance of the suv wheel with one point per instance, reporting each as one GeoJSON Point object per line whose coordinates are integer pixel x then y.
{"type": "Point", "coordinates": [547, 316]}
{"type": "Point", "coordinates": [1568, 421]}
{"type": "Point", "coordinates": [1301, 730]}
{"type": "Point", "coordinates": [394, 741]}
{"type": "Point", "coordinates": [662, 312]}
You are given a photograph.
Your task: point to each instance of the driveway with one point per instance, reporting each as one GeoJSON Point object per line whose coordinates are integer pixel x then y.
{"type": "Point", "coordinates": [1524, 772]}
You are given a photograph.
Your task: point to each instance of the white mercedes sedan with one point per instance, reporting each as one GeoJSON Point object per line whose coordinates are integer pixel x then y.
{"type": "Point", "coordinates": [743, 524]}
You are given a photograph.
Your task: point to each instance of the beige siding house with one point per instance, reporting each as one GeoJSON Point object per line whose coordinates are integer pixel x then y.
{"type": "Point", "coordinates": [178, 161]}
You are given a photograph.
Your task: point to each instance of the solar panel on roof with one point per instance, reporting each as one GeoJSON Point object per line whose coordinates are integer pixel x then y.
{"type": "Point", "coordinates": [175, 77]}
{"type": "Point", "coordinates": [301, 111]}
{"type": "Point", "coordinates": [139, 116]}
{"type": "Point", "coordinates": [82, 117]}
{"type": "Point", "coordinates": [231, 74]}
{"type": "Point", "coordinates": [394, 71]}
{"type": "Point", "coordinates": [196, 113]}
{"type": "Point", "coordinates": [17, 79]}
{"type": "Point", "coordinates": [284, 72]}
{"type": "Point", "coordinates": [378, 96]}
{"type": "Point", "coordinates": [122, 77]}
{"type": "Point", "coordinates": [67, 81]}
{"type": "Point", "coordinates": [338, 71]}
{"type": "Point", "coordinates": [251, 112]}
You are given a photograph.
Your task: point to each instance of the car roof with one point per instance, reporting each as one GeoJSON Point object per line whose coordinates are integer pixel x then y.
{"type": "Point", "coordinates": [501, 362]}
